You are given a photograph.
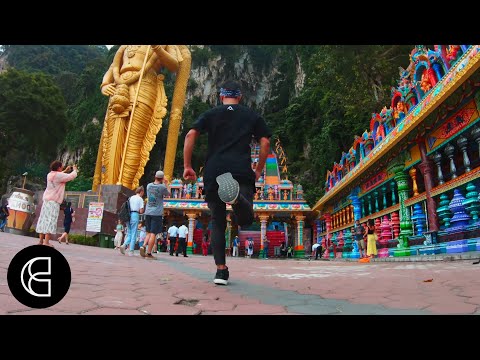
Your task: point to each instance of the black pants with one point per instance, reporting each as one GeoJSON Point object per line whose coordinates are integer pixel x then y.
{"type": "Point", "coordinates": [182, 246]}
{"type": "Point", "coordinates": [243, 211]}
{"type": "Point", "coordinates": [173, 240]}
{"type": "Point", "coordinates": [318, 252]}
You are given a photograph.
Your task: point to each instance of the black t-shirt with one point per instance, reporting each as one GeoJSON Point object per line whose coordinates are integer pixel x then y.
{"type": "Point", "coordinates": [230, 129]}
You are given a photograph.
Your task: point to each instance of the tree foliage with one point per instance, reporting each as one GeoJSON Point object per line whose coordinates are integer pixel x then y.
{"type": "Point", "coordinates": [344, 86]}
{"type": "Point", "coordinates": [32, 120]}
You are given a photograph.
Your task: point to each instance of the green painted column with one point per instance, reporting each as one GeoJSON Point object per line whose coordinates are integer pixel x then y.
{"type": "Point", "coordinates": [403, 191]}
{"type": "Point", "coordinates": [384, 190]}
{"type": "Point", "coordinates": [394, 199]}
{"type": "Point", "coordinates": [375, 195]}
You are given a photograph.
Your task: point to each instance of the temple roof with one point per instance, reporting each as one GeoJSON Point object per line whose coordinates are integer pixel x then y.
{"type": "Point", "coordinates": [384, 137]}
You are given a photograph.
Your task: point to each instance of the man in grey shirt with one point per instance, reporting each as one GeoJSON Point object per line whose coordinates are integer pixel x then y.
{"type": "Point", "coordinates": [154, 212]}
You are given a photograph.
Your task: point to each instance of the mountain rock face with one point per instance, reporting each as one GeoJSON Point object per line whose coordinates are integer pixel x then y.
{"type": "Point", "coordinates": [260, 83]}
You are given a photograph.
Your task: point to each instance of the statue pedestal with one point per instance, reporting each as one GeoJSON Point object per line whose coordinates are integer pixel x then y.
{"type": "Point", "coordinates": [113, 196]}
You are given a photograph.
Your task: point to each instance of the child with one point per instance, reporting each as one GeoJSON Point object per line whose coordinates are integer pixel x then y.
{"type": "Point", "coordinates": [118, 235]}
{"type": "Point", "coordinates": [142, 233]}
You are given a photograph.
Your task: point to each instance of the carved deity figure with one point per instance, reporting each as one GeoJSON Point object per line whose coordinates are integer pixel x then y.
{"type": "Point", "coordinates": [451, 53]}
{"type": "Point", "coordinates": [285, 195]}
{"type": "Point", "coordinates": [425, 83]}
{"type": "Point", "coordinates": [270, 193]}
{"type": "Point", "coordinates": [399, 112]}
{"type": "Point", "coordinates": [136, 109]}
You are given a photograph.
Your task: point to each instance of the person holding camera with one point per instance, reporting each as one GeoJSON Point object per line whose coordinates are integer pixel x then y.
{"type": "Point", "coordinates": [53, 197]}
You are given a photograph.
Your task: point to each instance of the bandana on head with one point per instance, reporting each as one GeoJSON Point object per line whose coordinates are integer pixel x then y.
{"type": "Point", "coordinates": [230, 93]}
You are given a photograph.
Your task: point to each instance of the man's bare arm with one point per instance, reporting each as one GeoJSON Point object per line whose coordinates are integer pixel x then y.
{"type": "Point", "coordinates": [264, 150]}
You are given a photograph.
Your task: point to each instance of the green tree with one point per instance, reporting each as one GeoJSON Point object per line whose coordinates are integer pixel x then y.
{"type": "Point", "coordinates": [32, 119]}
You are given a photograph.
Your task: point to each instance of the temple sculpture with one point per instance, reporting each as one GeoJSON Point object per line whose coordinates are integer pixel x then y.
{"type": "Point", "coordinates": [136, 109]}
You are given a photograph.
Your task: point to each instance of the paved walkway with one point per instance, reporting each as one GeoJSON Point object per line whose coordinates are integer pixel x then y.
{"type": "Point", "coordinates": [105, 282]}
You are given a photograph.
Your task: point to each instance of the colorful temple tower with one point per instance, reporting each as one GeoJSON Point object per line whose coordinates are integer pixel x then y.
{"type": "Point", "coordinates": [280, 209]}
{"type": "Point", "coordinates": [416, 170]}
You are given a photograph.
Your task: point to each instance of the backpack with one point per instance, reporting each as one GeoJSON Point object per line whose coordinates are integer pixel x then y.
{"type": "Point", "coordinates": [124, 212]}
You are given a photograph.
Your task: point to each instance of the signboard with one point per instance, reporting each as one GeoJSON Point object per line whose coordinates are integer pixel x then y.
{"type": "Point", "coordinates": [95, 215]}
{"type": "Point", "coordinates": [21, 200]}
{"type": "Point", "coordinates": [374, 181]}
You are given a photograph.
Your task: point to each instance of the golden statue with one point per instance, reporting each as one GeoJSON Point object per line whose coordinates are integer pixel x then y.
{"type": "Point", "coordinates": [136, 110]}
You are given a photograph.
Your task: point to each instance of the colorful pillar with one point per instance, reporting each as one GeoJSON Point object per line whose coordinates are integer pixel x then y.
{"type": "Point", "coordinates": [299, 249]}
{"type": "Point", "coordinates": [191, 229]}
{"type": "Point", "coordinates": [328, 226]}
{"type": "Point", "coordinates": [357, 204]}
{"type": "Point", "coordinates": [402, 184]}
{"type": "Point", "coordinates": [426, 167]}
{"type": "Point", "coordinates": [263, 229]}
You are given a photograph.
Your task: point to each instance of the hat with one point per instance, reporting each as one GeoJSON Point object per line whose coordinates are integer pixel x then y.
{"type": "Point", "coordinates": [159, 174]}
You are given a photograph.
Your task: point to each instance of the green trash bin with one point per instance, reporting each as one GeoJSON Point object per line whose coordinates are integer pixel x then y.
{"type": "Point", "coordinates": [104, 240]}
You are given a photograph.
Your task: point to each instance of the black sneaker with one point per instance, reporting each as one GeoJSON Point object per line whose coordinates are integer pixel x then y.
{"type": "Point", "coordinates": [228, 188]}
{"type": "Point", "coordinates": [221, 277]}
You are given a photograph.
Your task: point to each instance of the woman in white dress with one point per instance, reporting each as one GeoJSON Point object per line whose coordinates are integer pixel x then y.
{"type": "Point", "coordinates": [52, 198]}
{"type": "Point", "coordinates": [250, 248]}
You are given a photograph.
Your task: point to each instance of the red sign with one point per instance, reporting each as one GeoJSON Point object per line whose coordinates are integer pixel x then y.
{"type": "Point", "coordinates": [456, 123]}
{"type": "Point", "coordinates": [374, 181]}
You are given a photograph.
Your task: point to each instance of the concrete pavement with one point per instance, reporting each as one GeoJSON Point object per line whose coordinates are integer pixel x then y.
{"type": "Point", "coordinates": [105, 282]}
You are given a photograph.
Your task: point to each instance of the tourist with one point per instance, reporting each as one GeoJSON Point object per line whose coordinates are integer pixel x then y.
{"type": "Point", "coordinates": [156, 191]}
{"type": "Point", "coordinates": [205, 244]}
{"type": "Point", "coordinates": [317, 249]}
{"type": "Point", "coordinates": [172, 236]}
{"type": "Point", "coordinates": [359, 238]}
{"type": "Point", "coordinates": [228, 176]}
{"type": "Point", "coordinates": [265, 247]}
{"type": "Point", "coordinates": [283, 249]}
{"type": "Point", "coordinates": [118, 234]}
{"type": "Point", "coordinates": [371, 239]}
{"type": "Point", "coordinates": [137, 207]}
{"type": "Point", "coordinates": [250, 247]}
{"type": "Point", "coordinates": [142, 233]}
{"type": "Point", "coordinates": [182, 240]}
{"type": "Point", "coordinates": [67, 222]}
{"type": "Point", "coordinates": [4, 213]}
{"type": "Point", "coordinates": [236, 244]}
{"type": "Point", "coordinates": [52, 198]}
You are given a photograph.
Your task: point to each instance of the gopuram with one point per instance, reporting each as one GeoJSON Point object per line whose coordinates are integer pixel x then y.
{"type": "Point", "coordinates": [280, 209]}
{"type": "Point", "coordinates": [416, 171]}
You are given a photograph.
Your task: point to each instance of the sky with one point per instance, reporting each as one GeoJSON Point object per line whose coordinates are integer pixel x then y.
{"type": "Point", "coordinates": [108, 46]}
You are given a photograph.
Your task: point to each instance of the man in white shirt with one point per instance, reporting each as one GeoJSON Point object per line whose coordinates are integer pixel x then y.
{"type": "Point", "coordinates": [317, 249]}
{"type": "Point", "coordinates": [182, 240]}
{"type": "Point", "coordinates": [172, 236]}
{"type": "Point", "coordinates": [136, 208]}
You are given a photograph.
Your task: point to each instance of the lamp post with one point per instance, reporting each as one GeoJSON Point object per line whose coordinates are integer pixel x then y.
{"type": "Point", "coordinates": [24, 179]}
